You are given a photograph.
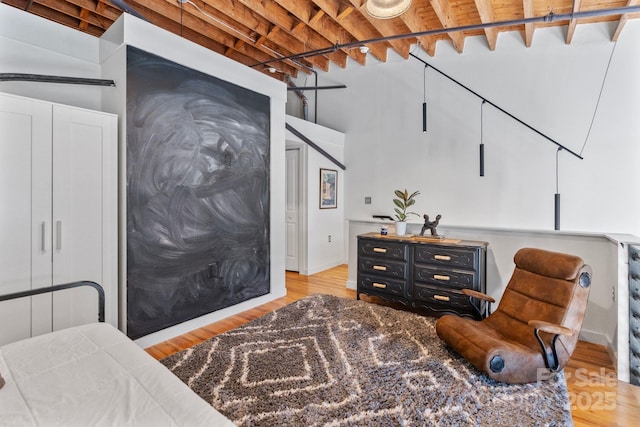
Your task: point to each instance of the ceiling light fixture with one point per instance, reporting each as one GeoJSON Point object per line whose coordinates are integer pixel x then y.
{"type": "Point", "coordinates": [272, 70]}
{"type": "Point", "coordinates": [385, 9]}
{"type": "Point", "coordinates": [482, 137]}
{"type": "Point", "coordinates": [364, 49]}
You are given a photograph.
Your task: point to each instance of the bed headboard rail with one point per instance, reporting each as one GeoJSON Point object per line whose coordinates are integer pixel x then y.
{"type": "Point", "coordinates": [55, 288]}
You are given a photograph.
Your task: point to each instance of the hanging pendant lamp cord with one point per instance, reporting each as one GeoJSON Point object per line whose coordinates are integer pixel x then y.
{"type": "Point", "coordinates": [595, 110]}
{"type": "Point", "coordinates": [424, 84]}
{"type": "Point", "coordinates": [482, 122]}
{"type": "Point", "coordinates": [557, 175]}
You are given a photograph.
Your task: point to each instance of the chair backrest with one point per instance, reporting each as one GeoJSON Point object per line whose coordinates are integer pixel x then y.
{"type": "Point", "coordinates": [548, 286]}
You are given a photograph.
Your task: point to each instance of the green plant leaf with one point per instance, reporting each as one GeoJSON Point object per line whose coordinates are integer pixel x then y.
{"type": "Point", "coordinates": [398, 203]}
{"type": "Point", "coordinates": [399, 194]}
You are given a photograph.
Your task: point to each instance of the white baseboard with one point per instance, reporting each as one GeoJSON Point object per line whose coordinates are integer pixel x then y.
{"type": "Point", "coordinates": [352, 284]}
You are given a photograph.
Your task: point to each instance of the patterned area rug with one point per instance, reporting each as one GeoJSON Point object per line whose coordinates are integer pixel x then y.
{"type": "Point", "coordinates": [329, 361]}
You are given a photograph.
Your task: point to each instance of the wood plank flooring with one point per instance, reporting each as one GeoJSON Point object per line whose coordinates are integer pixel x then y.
{"type": "Point", "coordinates": [597, 398]}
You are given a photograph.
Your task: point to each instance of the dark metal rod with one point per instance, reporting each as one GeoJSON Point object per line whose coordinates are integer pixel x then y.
{"type": "Point", "coordinates": [317, 87]}
{"type": "Point", "coordinates": [556, 211]}
{"type": "Point", "coordinates": [498, 108]}
{"type": "Point", "coordinates": [424, 117]}
{"type": "Point", "coordinates": [38, 291]}
{"type": "Point", "coordinates": [314, 145]}
{"type": "Point", "coordinates": [550, 17]}
{"type": "Point", "coordinates": [4, 77]}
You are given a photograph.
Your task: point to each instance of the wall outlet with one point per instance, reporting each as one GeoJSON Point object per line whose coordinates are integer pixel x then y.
{"type": "Point", "coordinates": [367, 200]}
{"type": "Point", "coordinates": [329, 238]}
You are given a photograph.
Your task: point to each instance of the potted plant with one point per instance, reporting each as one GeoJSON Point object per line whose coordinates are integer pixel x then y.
{"type": "Point", "coordinates": [403, 201]}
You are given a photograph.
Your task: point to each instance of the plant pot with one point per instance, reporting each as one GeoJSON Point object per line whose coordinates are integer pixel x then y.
{"type": "Point", "coordinates": [401, 228]}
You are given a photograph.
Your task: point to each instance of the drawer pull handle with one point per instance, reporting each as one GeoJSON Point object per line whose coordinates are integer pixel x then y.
{"type": "Point", "coordinates": [442, 257]}
{"type": "Point", "coordinates": [379, 285]}
{"type": "Point", "coordinates": [441, 298]}
{"type": "Point", "coordinates": [380, 250]}
{"type": "Point", "coordinates": [439, 277]}
{"type": "Point", "coordinates": [380, 267]}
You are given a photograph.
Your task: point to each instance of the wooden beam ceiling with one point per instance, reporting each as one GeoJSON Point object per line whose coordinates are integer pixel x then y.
{"type": "Point", "coordinates": [260, 33]}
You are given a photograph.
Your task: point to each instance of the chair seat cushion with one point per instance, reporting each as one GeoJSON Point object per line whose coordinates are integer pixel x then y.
{"type": "Point", "coordinates": [483, 346]}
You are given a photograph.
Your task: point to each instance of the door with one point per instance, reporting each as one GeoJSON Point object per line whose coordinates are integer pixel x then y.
{"type": "Point", "coordinates": [292, 206]}
{"type": "Point", "coordinates": [25, 215]}
{"type": "Point", "coordinates": [82, 145]}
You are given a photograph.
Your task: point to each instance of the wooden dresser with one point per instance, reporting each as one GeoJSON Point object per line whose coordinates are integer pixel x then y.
{"type": "Point", "coordinates": [423, 272]}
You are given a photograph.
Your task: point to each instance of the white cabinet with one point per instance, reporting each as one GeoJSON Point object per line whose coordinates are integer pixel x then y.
{"type": "Point", "coordinates": [58, 213]}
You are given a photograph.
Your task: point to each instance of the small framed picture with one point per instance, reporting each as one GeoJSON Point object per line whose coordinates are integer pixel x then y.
{"type": "Point", "coordinates": [328, 189]}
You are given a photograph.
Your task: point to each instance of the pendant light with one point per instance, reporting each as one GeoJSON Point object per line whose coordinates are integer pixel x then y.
{"type": "Point", "coordinates": [385, 9]}
{"type": "Point", "coordinates": [556, 197]}
{"type": "Point", "coordinates": [482, 138]}
{"type": "Point", "coordinates": [424, 100]}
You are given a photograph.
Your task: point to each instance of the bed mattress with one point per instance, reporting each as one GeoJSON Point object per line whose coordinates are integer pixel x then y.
{"type": "Point", "coordinates": [93, 375]}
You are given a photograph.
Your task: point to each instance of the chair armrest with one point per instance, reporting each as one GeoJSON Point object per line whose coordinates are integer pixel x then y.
{"type": "Point", "coordinates": [550, 328]}
{"type": "Point", "coordinates": [479, 295]}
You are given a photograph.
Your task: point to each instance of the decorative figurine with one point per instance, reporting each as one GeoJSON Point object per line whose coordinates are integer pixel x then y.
{"type": "Point", "coordinates": [431, 225]}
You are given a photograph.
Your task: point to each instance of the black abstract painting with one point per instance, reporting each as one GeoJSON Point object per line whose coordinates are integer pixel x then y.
{"type": "Point", "coordinates": [197, 174]}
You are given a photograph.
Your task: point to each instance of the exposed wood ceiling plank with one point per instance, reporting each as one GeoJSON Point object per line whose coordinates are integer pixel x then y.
{"type": "Point", "coordinates": [354, 29]}
{"type": "Point", "coordinates": [571, 28]}
{"type": "Point", "coordinates": [415, 24]}
{"type": "Point", "coordinates": [286, 20]}
{"type": "Point", "coordinates": [447, 17]}
{"type": "Point", "coordinates": [220, 29]}
{"type": "Point", "coordinates": [487, 15]}
{"type": "Point", "coordinates": [322, 24]}
{"type": "Point", "coordinates": [624, 18]}
{"type": "Point", "coordinates": [527, 6]}
{"type": "Point", "coordinates": [385, 28]}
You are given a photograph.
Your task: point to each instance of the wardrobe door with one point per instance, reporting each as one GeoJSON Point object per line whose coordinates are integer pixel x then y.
{"type": "Point", "coordinates": [25, 215]}
{"type": "Point", "coordinates": [84, 148]}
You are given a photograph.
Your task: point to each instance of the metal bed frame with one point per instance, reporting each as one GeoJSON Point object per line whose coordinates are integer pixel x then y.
{"type": "Point", "coordinates": [55, 288]}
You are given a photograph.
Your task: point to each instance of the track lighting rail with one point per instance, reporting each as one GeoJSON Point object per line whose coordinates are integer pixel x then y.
{"type": "Point", "coordinates": [497, 107]}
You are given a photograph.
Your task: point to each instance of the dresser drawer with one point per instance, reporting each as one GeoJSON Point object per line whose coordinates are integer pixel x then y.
{"type": "Point", "coordinates": [445, 256]}
{"type": "Point", "coordinates": [450, 298]}
{"type": "Point", "coordinates": [381, 285]}
{"type": "Point", "coordinates": [384, 267]}
{"type": "Point", "coordinates": [442, 277]}
{"type": "Point", "coordinates": [383, 249]}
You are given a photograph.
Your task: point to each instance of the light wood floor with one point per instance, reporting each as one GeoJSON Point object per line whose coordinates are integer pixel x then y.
{"type": "Point", "coordinates": [597, 398]}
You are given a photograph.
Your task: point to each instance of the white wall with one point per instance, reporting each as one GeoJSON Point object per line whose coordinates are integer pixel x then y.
{"type": "Point", "coordinates": [32, 45]}
{"type": "Point", "coordinates": [552, 86]}
{"type": "Point", "coordinates": [321, 253]}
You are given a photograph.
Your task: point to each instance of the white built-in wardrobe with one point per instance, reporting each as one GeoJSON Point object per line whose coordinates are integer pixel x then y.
{"type": "Point", "coordinates": [58, 213]}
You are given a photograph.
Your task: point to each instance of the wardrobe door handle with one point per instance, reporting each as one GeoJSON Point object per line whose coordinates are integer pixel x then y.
{"type": "Point", "coordinates": [59, 235]}
{"type": "Point", "coordinates": [380, 268]}
{"type": "Point", "coordinates": [380, 250]}
{"type": "Point", "coordinates": [441, 277]}
{"type": "Point", "coordinates": [379, 285]}
{"type": "Point", "coordinates": [442, 257]}
{"type": "Point", "coordinates": [43, 236]}
{"type": "Point", "coordinates": [441, 298]}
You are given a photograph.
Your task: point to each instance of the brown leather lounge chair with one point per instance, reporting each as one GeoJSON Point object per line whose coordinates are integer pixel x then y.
{"type": "Point", "coordinates": [535, 328]}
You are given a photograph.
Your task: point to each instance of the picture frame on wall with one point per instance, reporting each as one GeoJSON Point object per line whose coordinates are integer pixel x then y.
{"type": "Point", "coordinates": [328, 188]}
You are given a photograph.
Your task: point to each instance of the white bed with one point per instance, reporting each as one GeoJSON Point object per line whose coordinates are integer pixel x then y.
{"type": "Point", "coordinates": [93, 375]}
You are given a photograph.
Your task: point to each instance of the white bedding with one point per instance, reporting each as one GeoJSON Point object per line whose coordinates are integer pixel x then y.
{"type": "Point", "coordinates": [93, 375]}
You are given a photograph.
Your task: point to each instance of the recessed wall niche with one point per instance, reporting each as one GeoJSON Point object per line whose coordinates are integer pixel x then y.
{"type": "Point", "coordinates": [197, 193]}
